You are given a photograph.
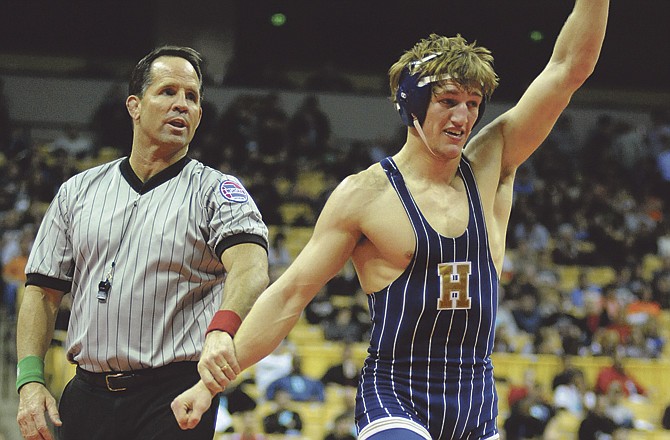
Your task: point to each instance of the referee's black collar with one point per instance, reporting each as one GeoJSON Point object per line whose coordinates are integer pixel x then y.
{"type": "Point", "coordinates": [155, 181]}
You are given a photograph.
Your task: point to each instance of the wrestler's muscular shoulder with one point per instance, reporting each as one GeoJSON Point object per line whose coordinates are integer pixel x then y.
{"type": "Point", "coordinates": [386, 243]}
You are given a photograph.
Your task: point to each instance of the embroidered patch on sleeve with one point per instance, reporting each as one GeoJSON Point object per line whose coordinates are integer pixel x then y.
{"type": "Point", "coordinates": [233, 191]}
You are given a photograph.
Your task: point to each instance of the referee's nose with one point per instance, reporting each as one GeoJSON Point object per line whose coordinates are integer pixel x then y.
{"type": "Point", "coordinates": [180, 103]}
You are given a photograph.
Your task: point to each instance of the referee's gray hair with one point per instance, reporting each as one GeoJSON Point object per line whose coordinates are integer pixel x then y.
{"type": "Point", "coordinates": [140, 77]}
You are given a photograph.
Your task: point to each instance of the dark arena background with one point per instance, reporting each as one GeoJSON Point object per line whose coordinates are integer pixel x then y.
{"type": "Point", "coordinates": [296, 98]}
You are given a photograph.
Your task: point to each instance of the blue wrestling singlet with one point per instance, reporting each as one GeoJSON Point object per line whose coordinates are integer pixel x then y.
{"type": "Point", "coordinates": [433, 330]}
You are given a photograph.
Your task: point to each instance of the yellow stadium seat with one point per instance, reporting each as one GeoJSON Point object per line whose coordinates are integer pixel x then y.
{"type": "Point", "coordinates": [317, 358]}
{"type": "Point", "coordinates": [291, 211]}
{"type": "Point", "coordinates": [310, 184]}
{"type": "Point", "coordinates": [601, 275]}
{"type": "Point", "coordinates": [563, 426]}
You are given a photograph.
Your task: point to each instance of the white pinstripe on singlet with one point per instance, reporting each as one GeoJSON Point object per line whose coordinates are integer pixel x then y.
{"type": "Point", "coordinates": [165, 238]}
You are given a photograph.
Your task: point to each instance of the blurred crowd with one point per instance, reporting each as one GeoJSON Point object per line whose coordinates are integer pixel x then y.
{"type": "Point", "coordinates": [596, 206]}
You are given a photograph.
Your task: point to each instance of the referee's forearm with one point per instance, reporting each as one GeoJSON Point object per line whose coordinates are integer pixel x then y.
{"type": "Point", "coordinates": [242, 289]}
{"type": "Point", "coordinates": [247, 266]}
{"type": "Point", "coordinates": [36, 321]}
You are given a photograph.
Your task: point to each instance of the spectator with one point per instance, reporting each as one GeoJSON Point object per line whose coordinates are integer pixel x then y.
{"type": "Point", "coordinates": [663, 166]}
{"type": "Point", "coordinates": [564, 376]}
{"type": "Point", "coordinates": [617, 373]}
{"type": "Point", "coordinates": [573, 395]}
{"type": "Point", "coordinates": [611, 305]}
{"type": "Point", "coordinates": [506, 329]}
{"type": "Point", "coordinates": [628, 150]}
{"type": "Point", "coordinates": [13, 272]}
{"type": "Point", "coordinates": [309, 128]}
{"type": "Point", "coordinates": [265, 192]}
{"type": "Point", "coordinates": [582, 291]}
{"type": "Point", "coordinates": [564, 137]}
{"type": "Point", "coordinates": [615, 407]}
{"type": "Point", "coordinates": [231, 401]}
{"type": "Point", "coordinates": [597, 425]}
{"type": "Point", "coordinates": [519, 391]}
{"type": "Point", "coordinates": [299, 387]}
{"type": "Point", "coordinates": [533, 231]}
{"type": "Point", "coordinates": [272, 126]}
{"type": "Point", "coordinates": [529, 415]}
{"type": "Point", "coordinates": [343, 326]}
{"type": "Point", "coordinates": [276, 365]}
{"type": "Point", "coordinates": [320, 309]}
{"type": "Point", "coordinates": [283, 420]}
{"type": "Point", "coordinates": [596, 146]}
{"type": "Point", "coordinates": [343, 429]}
{"type": "Point", "coordinates": [654, 341]}
{"type": "Point", "coordinates": [344, 283]}
{"type": "Point", "coordinates": [621, 326]}
{"type": "Point", "coordinates": [660, 283]}
{"type": "Point", "coordinates": [663, 239]}
{"type": "Point", "coordinates": [527, 315]}
{"type": "Point", "coordinates": [345, 373]}
{"type": "Point", "coordinates": [568, 249]}
{"type": "Point", "coordinates": [548, 341]}
{"type": "Point", "coordinates": [73, 142]}
{"type": "Point", "coordinates": [279, 256]}
{"type": "Point", "coordinates": [644, 307]}
{"type": "Point", "coordinates": [248, 429]}
{"type": "Point", "coordinates": [660, 127]}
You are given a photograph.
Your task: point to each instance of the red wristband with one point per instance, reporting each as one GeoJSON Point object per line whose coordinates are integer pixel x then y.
{"type": "Point", "coordinates": [225, 321]}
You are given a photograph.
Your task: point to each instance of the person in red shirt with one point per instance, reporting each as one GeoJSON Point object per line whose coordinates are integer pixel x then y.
{"type": "Point", "coordinates": [617, 373]}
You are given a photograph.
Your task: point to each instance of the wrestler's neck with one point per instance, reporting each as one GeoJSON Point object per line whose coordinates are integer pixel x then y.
{"type": "Point", "coordinates": [415, 160]}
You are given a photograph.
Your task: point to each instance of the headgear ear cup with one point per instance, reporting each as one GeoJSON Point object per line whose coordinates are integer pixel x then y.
{"type": "Point", "coordinates": [412, 99]}
{"type": "Point", "coordinates": [413, 94]}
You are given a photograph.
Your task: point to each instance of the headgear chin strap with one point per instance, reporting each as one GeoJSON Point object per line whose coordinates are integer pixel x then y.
{"type": "Point", "coordinates": [413, 94]}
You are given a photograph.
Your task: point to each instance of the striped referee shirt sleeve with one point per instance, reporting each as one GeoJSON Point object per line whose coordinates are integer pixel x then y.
{"type": "Point", "coordinates": [53, 245]}
{"type": "Point", "coordinates": [235, 218]}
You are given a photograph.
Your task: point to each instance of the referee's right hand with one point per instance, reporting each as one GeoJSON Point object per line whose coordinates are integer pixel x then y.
{"type": "Point", "coordinates": [34, 401]}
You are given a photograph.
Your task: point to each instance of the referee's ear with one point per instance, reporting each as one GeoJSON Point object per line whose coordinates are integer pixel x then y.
{"type": "Point", "coordinates": [133, 106]}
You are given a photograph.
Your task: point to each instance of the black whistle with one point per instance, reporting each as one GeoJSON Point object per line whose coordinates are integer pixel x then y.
{"type": "Point", "coordinates": [103, 290]}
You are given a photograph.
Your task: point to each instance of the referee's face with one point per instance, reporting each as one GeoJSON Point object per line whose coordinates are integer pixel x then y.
{"type": "Point", "coordinates": [169, 112]}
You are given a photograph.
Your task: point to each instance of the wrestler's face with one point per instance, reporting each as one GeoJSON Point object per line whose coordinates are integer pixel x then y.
{"type": "Point", "coordinates": [451, 114]}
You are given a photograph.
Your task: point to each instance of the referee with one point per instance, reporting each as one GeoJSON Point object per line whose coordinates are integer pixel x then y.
{"type": "Point", "coordinates": [144, 244]}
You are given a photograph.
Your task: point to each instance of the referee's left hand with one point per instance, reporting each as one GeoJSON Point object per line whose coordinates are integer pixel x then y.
{"type": "Point", "coordinates": [218, 364]}
{"type": "Point", "coordinates": [34, 401]}
{"type": "Point", "coordinates": [189, 406]}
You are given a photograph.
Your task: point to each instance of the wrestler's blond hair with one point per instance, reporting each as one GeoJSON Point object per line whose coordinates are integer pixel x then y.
{"type": "Point", "coordinates": [469, 65]}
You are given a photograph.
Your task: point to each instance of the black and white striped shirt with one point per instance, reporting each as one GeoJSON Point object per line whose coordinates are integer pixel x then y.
{"type": "Point", "coordinates": [159, 244]}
